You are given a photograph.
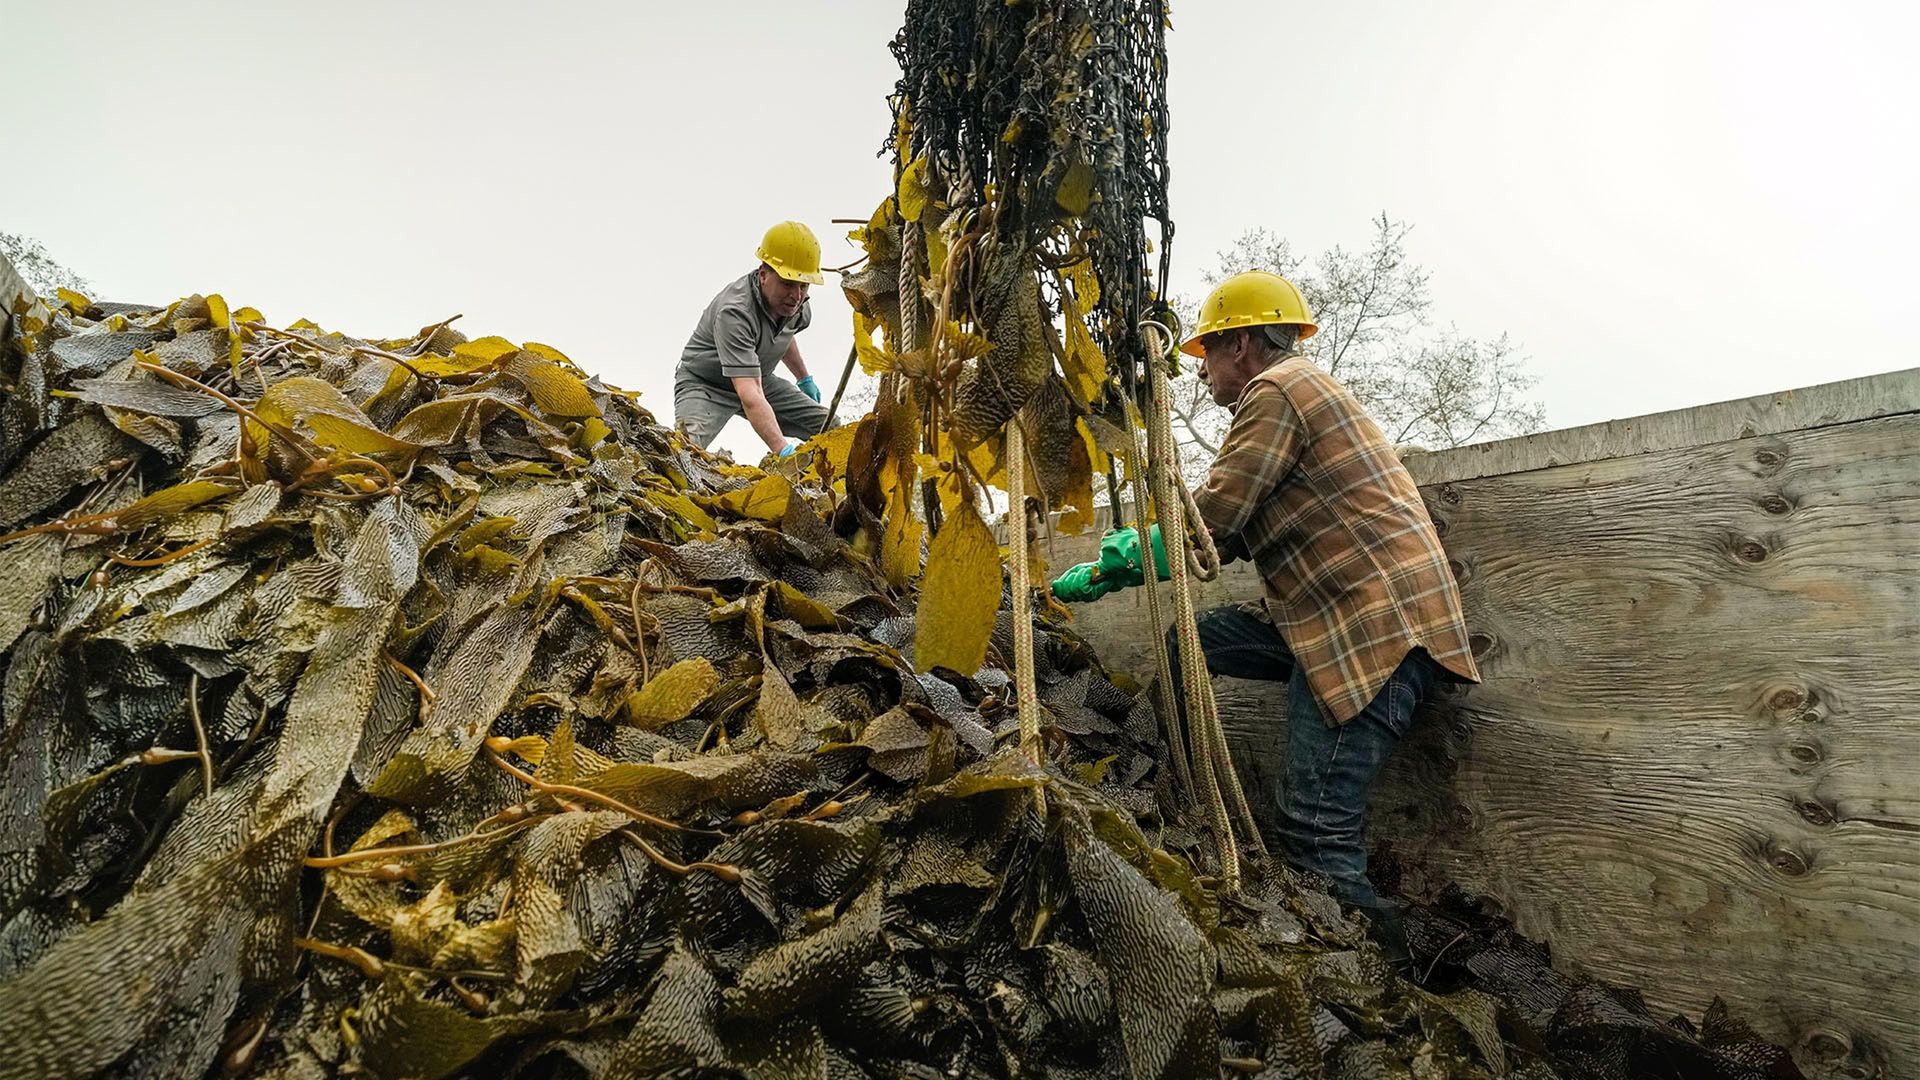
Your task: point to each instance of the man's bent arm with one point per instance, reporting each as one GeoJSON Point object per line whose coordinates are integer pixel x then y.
{"type": "Point", "coordinates": [793, 361]}
{"type": "Point", "coordinates": [1261, 447]}
{"type": "Point", "coordinates": [753, 402]}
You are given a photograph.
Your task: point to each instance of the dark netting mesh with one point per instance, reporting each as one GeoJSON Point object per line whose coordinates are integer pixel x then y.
{"type": "Point", "coordinates": [1062, 109]}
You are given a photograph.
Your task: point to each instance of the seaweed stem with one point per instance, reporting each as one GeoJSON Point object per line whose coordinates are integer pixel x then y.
{"type": "Point", "coordinates": [1428, 974]}
{"type": "Point", "coordinates": [607, 801]}
{"type": "Point", "coordinates": [368, 350]}
{"type": "Point", "coordinates": [200, 733]}
{"type": "Point", "coordinates": [639, 634]}
{"type": "Point", "coordinates": [192, 383]}
{"type": "Point", "coordinates": [427, 333]}
{"type": "Point", "coordinates": [724, 871]}
{"type": "Point", "coordinates": [427, 696]}
{"type": "Point", "coordinates": [368, 964]}
{"type": "Point", "coordinates": [331, 862]}
{"type": "Point", "coordinates": [162, 560]}
{"type": "Point", "coordinates": [253, 736]}
{"type": "Point", "coordinates": [333, 820]}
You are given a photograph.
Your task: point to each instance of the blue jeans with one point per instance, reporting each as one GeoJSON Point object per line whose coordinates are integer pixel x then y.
{"type": "Point", "coordinates": [1330, 769]}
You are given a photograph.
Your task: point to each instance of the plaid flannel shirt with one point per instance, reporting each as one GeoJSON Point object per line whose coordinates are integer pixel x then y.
{"type": "Point", "coordinates": [1355, 575]}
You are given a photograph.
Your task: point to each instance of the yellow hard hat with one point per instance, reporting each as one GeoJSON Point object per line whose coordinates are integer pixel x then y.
{"type": "Point", "coordinates": [1253, 298]}
{"type": "Point", "coordinates": [794, 254]}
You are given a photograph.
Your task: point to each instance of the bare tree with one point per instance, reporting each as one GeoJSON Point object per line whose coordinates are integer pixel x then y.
{"type": "Point", "coordinates": [42, 273]}
{"type": "Point", "coordinates": [1426, 385]}
{"type": "Point", "coordinates": [862, 391]}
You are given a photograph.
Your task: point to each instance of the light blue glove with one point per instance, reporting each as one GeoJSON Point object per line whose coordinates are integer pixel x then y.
{"type": "Point", "coordinates": [810, 388]}
{"type": "Point", "coordinates": [787, 451]}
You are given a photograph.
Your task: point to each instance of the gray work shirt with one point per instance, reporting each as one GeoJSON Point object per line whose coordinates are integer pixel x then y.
{"type": "Point", "coordinates": [737, 337]}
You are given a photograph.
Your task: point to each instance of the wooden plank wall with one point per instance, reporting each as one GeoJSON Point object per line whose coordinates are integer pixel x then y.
{"type": "Point", "coordinates": [1694, 764]}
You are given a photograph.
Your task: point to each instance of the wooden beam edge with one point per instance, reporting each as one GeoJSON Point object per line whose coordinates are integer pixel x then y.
{"type": "Point", "coordinates": [1868, 397]}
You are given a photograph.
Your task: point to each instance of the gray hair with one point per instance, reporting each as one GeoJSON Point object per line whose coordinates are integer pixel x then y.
{"type": "Point", "coordinates": [1278, 338]}
{"type": "Point", "coordinates": [1277, 341]}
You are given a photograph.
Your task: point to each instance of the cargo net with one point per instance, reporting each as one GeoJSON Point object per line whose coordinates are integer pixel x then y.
{"type": "Point", "coordinates": [1009, 271]}
{"type": "Point", "coordinates": [1056, 115]}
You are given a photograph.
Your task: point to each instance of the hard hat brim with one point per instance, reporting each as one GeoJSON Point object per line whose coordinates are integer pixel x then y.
{"type": "Point", "coordinates": [1192, 346]}
{"type": "Point", "coordinates": [815, 278]}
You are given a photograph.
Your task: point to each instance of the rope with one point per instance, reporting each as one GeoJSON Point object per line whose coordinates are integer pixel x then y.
{"type": "Point", "coordinates": [1218, 781]}
{"type": "Point", "coordinates": [1193, 664]}
{"type": "Point", "coordinates": [1202, 557]}
{"type": "Point", "coordinates": [1163, 687]}
{"type": "Point", "coordinates": [1026, 695]}
{"type": "Point", "coordinates": [912, 314]}
{"type": "Point", "coordinates": [1210, 736]}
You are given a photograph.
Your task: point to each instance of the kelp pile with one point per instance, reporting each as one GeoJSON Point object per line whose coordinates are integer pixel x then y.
{"type": "Point", "coordinates": [421, 707]}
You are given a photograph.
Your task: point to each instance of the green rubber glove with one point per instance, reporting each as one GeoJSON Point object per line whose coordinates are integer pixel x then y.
{"type": "Point", "coordinates": [1119, 567]}
{"type": "Point", "coordinates": [1120, 560]}
{"type": "Point", "coordinates": [1082, 583]}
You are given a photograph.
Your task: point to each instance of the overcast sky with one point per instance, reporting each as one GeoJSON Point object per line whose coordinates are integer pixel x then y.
{"type": "Point", "coordinates": [1664, 203]}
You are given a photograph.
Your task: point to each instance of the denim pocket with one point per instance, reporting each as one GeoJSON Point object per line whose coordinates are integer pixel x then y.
{"type": "Point", "coordinates": [1402, 700]}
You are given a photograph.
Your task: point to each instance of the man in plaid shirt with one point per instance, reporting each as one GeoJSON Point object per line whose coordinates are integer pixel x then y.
{"type": "Point", "coordinates": [1363, 612]}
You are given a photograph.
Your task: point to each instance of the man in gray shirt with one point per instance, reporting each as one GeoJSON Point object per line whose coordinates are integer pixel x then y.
{"type": "Point", "coordinates": [726, 370]}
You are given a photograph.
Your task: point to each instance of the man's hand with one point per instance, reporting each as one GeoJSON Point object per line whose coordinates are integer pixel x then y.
{"type": "Point", "coordinates": [1082, 583]}
{"type": "Point", "coordinates": [809, 387]}
{"type": "Point", "coordinates": [787, 451]}
{"type": "Point", "coordinates": [1120, 567]}
{"type": "Point", "coordinates": [1121, 561]}
{"type": "Point", "coordinates": [759, 414]}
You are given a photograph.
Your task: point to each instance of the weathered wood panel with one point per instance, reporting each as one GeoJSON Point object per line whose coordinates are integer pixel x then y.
{"type": "Point", "coordinates": [1692, 765]}
{"type": "Point", "coordinates": [1865, 398]}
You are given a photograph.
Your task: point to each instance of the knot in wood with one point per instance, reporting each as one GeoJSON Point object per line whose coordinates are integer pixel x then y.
{"type": "Point", "coordinates": [1768, 458]}
{"type": "Point", "coordinates": [1478, 644]}
{"type": "Point", "coordinates": [1826, 1045]}
{"type": "Point", "coordinates": [1789, 698]}
{"type": "Point", "coordinates": [1439, 527]}
{"type": "Point", "coordinates": [1788, 862]}
{"type": "Point", "coordinates": [1805, 753]}
{"type": "Point", "coordinates": [1815, 811]}
{"type": "Point", "coordinates": [1450, 495]}
{"type": "Point", "coordinates": [1752, 551]}
{"type": "Point", "coordinates": [1458, 569]}
{"type": "Point", "coordinates": [1776, 504]}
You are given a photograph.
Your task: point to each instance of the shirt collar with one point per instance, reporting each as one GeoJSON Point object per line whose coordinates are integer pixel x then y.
{"type": "Point", "coordinates": [760, 302]}
{"type": "Point", "coordinates": [1270, 369]}
{"type": "Point", "coordinates": [759, 298]}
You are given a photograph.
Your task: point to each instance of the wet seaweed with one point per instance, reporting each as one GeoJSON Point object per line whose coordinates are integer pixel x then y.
{"type": "Point", "coordinates": [433, 710]}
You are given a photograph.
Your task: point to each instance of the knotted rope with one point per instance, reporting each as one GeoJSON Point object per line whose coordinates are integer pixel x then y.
{"type": "Point", "coordinates": [1212, 762]}
{"type": "Point", "coordinates": [1026, 693]}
